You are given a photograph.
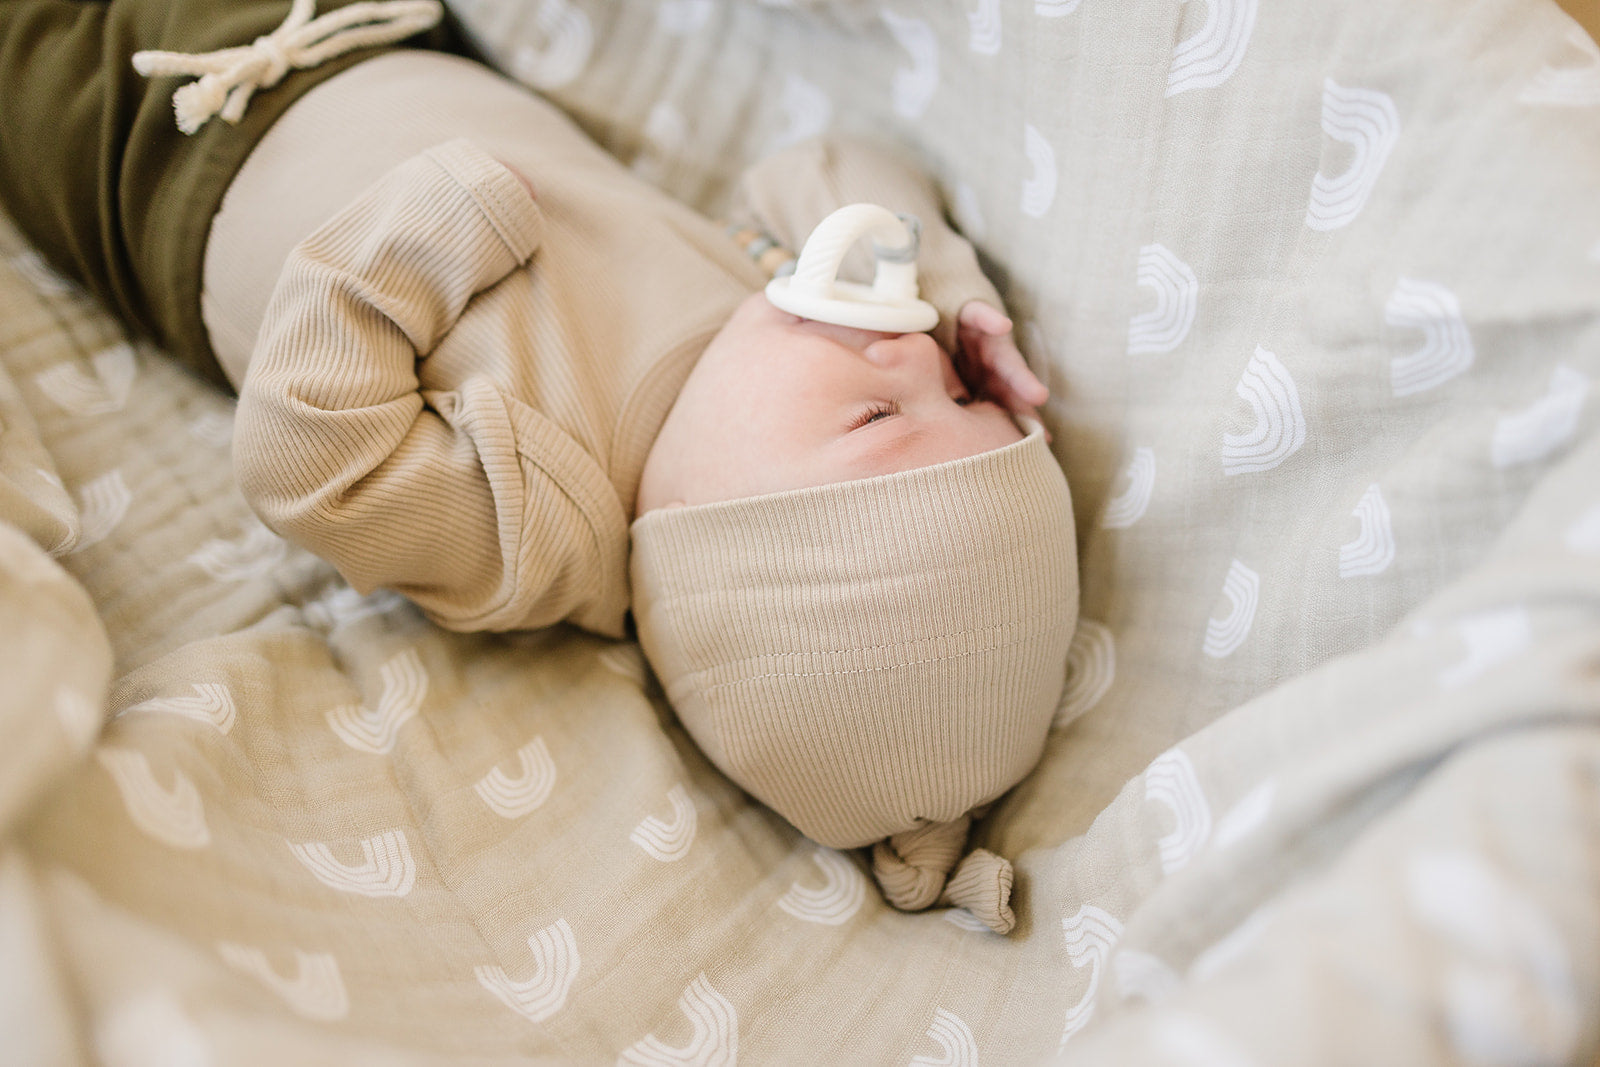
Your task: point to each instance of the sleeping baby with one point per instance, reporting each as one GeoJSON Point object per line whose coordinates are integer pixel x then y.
{"type": "Point", "coordinates": [483, 364]}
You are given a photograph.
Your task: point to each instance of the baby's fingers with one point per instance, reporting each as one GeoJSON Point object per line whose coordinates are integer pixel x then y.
{"type": "Point", "coordinates": [981, 317]}
{"type": "Point", "coordinates": [1004, 373]}
{"type": "Point", "coordinates": [991, 361]}
{"type": "Point", "coordinates": [1021, 382]}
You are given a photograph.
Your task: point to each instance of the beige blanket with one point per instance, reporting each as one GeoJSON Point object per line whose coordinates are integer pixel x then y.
{"type": "Point", "coordinates": [1316, 286]}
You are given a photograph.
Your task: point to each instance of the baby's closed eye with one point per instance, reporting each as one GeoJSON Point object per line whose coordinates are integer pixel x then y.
{"type": "Point", "coordinates": [874, 412]}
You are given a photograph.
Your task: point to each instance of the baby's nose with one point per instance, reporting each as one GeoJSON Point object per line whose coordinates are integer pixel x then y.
{"type": "Point", "coordinates": [906, 349]}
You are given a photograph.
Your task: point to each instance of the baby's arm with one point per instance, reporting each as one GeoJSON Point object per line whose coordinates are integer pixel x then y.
{"type": "Point", "coordinates": [788, 193]}
{"type": "Point", "coordinates": [335, 446]}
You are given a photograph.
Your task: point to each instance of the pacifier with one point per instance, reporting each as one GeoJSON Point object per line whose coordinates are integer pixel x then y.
{"type": "Point", "coordinates": [889, 304]}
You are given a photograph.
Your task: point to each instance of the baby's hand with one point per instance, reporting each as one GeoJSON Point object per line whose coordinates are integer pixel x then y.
{"type": "Point", "coordinates": [988, 360]}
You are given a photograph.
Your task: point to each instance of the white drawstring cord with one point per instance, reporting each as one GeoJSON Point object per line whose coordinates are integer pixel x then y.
{"type": "Point", "coordinates": [229, 76]}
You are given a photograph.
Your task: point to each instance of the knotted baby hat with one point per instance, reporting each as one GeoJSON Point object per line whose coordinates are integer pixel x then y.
{"type": "Point", "coordinates": [873, 659]}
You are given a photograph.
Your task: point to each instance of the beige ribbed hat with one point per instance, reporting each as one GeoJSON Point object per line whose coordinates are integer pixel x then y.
{"type": "Point", "coordinates": [870, 657]}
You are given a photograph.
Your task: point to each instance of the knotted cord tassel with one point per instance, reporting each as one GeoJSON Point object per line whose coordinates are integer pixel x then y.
{"type": "Point", "coordinates": [911, 867]}
{"type": "Point", "coordinates": [229, 76]}
{"type": "Point", "coordinates": [913, 870]}
{"type": "Point", "coordinates": [982, 885]}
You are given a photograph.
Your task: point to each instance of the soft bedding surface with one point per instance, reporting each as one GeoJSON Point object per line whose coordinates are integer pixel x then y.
{"type": "Point", "coordinates": [1316, 287]}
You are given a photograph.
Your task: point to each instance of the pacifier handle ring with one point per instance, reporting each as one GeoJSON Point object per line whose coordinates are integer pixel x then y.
{"type": "Point", "coordinates": [890, 304]}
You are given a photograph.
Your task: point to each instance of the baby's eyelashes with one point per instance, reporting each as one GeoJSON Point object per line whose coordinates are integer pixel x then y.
{"type": "Point", "coordinates": [874, 413]}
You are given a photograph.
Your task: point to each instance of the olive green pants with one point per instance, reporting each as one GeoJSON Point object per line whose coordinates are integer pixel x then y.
{"type": "Point", "coordinates": [93, 167]}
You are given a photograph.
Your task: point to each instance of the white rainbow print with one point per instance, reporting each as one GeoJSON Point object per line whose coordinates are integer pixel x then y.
{"type": "Point", "coordinates": [1373, 549]}
{"type": "Point", "coordinates": [1367, 121]}
{"type": "Point", "coordinates": [957, 1046]}
{"type": "Point", "coordinates": [253, 554]}
{"type": "Point", "coordinates": [555, 969]}
{"type": "Point", "coordinates": [1545, 425]}
{"type": "Point", "coordinates": [1039, 187]}
{"type": "Point", "coordinates": [714, 1043]}
{"type": "Point", "coordinates": [568, 40]}
{"type": "Point", "coordinates": [1091, 668]}
{"type": "Point", "coordinates": [1242, 588]}
{"type": "Point", "coordinates": [913, 87]}
{"type": "Point", "coordinates": [404, 685]}
{"type": "Point", "coordinates": [1128, 506]}
{"type": "Point", "coordinates": [102, 505]}
{"type": "Point", "coordinates": [1177, 290]}
{"type": "Point", "coordinates": [1054, 9]}
{"type": "Point", "coordinates": [1209, 57]}
{"type": "Point", "coordinates": [668, 840]}
{"type": "Point", "coordinates": [843, 890]}
{"type": "Point", "coordinates": [173, 815]}
{"type": "Point", "coordinates": [1280, 424]}
{"type": "Point", "coordinates": [511, 796]}
{"type": "Point", "coordinates": [1091, 936]}
{"type": "Point", "coordinates": [316, 991]}
{"type": "Point", "coordinates": [387, 868]}
{"type": "Point", "coordinates": [1491, 637]}
{"type": "Point", "coordinates": [81, 392]}
{"type": "Point", "coordinates": [1171, 781]}
{"type": "Point", "coordinates": [1568, 86]}
{"type": "Point", "coordinates": [211, 704]}
{"type": "Point", "coordinates": [1447, 345]}
{"type": "Point", "coordinates": [984, 28]}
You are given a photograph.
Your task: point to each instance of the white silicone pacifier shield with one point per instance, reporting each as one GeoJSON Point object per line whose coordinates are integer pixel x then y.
{"type": "Point", "coordinates": [889, 304]}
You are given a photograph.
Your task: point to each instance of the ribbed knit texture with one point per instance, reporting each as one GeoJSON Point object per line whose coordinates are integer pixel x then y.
{"type": "Point", "coordinates": [911, 866]}
{"type": "Point", "coordinates": [336, 448]}
{"type": "Point", "coordinates": [866, 656]}
{"type": "Point", "coordinates": [456, 388]}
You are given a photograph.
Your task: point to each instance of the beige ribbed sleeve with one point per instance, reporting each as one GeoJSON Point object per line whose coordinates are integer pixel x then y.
{"type": "Point", "coordinates": [789, 192]}
{"type": "Point", "coordinates": [339, 448]}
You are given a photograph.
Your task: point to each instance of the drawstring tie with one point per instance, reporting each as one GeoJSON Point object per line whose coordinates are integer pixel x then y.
{"type": "Point", "coordinates": [229, 76]}
{"type": "Point", "coordinates": [913, 869]}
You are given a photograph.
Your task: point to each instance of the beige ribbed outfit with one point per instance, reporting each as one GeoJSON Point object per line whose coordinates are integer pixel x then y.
{"type": "Point", "coordinates": [874, 659]}
{"type": "Point", "coordinates": [456, 387]}
{"type": "Point", "coordinates": [458, 380]}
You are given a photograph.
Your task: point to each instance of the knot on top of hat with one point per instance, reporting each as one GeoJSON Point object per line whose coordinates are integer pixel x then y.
{"type": "Point", "coordinates": [229, 76]}
{"type": "Point", "coordinates": [914, 871]}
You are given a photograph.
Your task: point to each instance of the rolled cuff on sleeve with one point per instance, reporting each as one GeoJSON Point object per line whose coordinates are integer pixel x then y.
{"type": "Point", "coordinates": [498, 192]}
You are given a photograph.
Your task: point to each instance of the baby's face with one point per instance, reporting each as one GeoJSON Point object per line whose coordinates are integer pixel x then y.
{"type": "Point", "coordinates": [778, 402]}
